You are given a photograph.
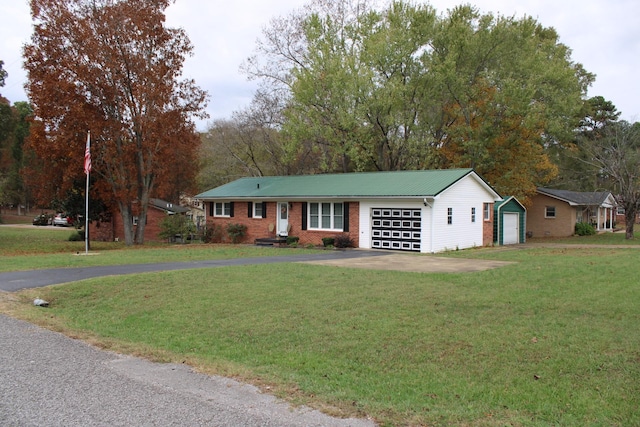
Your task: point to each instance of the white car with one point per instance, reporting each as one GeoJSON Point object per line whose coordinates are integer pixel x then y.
{"type": "Point", "coordinates": [62, 220]}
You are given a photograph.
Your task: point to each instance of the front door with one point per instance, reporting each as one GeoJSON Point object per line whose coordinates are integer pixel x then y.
{"type": "Point", "coordinates": [283, 218]}
{"type": "Point", "coordinates": [510, 229]}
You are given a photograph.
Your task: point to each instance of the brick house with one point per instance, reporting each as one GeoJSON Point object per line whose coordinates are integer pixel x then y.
{"type": "Point", "coordinates": [554, 213]}
{"type": "Point", "coordinates": [112, 229]}
{"type": "Point", "coordinates": [421, 211]}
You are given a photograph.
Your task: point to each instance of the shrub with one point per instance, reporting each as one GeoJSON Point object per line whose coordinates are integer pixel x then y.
{"type": "Point", "coordinates": [292, 240]}
{"type": "Point", "coordinates": [328, 241]}
{"type": "Point", "coordinates": [343, 241]}
{"type": "Point", "coordinates": [77, 236]}
{"type": "Point", "coordinates": [212, 234]}
{"type": "Point", "coordinates": [584, 229]}
{"type": "Point", "coordinates": [173, 226]}
{"type": "Point", "coordinates": [236, 232]}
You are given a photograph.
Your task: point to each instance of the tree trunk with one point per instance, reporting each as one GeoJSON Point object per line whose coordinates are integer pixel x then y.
{"type": "Point", "coordinates": [629, 219]}
{"type": "Point", "coordinates": [127, 222]}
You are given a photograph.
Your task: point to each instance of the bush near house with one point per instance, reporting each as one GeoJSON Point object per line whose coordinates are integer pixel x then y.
{"type": "Point", "coordinates": [174, 226]}
{"type": "Point", "coordinates": [584, 229]}
{"type": "Point", "coordinates": [236, 232]}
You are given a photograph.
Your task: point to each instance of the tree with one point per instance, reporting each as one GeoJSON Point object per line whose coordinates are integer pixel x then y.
{"type": "Point", "coordinates": [576, 171]}
{"type": "Point", "coordinates": [111, 67]}
{"type": "Point", "coordinates": [406, 88]}
{"type": "Point", "coordinates": [617, 155]}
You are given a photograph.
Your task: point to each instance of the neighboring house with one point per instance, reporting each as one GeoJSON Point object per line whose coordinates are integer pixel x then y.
{"type": "Point", "coordinates": [554, 213]}
{"type": "Point", "coordinates": [196, 210]}
{"type": "Point", "coordinates": [422, 211]}
{"type": "Point", "coordinates": [509, 223]}
{"type": "Point", "coordinates": [113, 229]}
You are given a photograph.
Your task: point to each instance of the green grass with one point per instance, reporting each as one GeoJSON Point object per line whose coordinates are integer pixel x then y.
{"type": "Point", "coordinates": [549, 340]}
{"type": "Point", "coordinates": [29, 248]}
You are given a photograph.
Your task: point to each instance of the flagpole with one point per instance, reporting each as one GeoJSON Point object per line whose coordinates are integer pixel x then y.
{"type": "Point", "coordinates": [87, 170]}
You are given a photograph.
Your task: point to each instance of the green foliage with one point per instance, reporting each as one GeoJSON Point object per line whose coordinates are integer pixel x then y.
{"type": "Point", "coordinates": [173, 226]}
{"type": "Point", "coordinates": [328, 241]}
{"type": "Point", "coordinates": [584, 229]}
{"type": "Point", "coordinates": [236, 232]}
{"type": "Point", "coordinates": [77, 236]}
{"type": "Point", "coordinates": [292, 240]}
{"type": "Point", "coordinates": [405, 87]}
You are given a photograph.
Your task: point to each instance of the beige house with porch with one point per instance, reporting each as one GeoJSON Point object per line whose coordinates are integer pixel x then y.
{"type": "Point", "coordinates": [554, 213]}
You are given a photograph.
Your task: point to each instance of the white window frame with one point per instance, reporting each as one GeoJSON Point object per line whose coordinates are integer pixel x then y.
{"type": "Point", "coordinates": [449, 216]}
{"type": "Point", "coordinates": [487, 212]}
{"type": "Point", "coordinates": [225, 209]}
{"type": "Point", "coordinates": [473, 214]}
{"type": "Point", "coordinates": [547, 212]}
{"type": "Point", "coordinates": [321, 214]}
{"type": "Point", "coordinates": [255, 213]}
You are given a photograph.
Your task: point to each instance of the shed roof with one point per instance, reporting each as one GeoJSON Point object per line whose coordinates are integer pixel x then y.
{"type": "Point", "coordinates": [423, 183]}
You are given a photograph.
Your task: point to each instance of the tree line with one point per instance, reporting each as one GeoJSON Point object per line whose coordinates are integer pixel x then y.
{"type": "Point", "coordinates": [344, 86]}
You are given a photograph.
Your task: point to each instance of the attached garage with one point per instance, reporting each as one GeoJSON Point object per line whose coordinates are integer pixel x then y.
{"type": "Point", "coordinates": [398, 229]}
{"type": "Point", "coordinates": [509, 222]}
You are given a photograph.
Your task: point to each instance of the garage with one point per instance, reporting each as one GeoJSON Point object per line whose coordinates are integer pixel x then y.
{"type": "Point", "coordinates": [396, 229]}
{"type": "Point", "coordinates": [509, 222]}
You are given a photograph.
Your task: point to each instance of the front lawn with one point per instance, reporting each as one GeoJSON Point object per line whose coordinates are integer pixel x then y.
{"type": "Point", "coordinates": [550, 340]}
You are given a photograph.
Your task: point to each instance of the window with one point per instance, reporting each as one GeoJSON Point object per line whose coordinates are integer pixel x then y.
{"type": "Point", "coordinates": [222, 209]}
{"type": "Point", "coordinates": [326, 216]}
{"type": "Point", "coordinates": [619, 210]}
{"type": "Point", "coordinates": [487, 211]}
{"type": "Point", "coordinates": [473, 214]}
{"type": "Point", "coordinates": [449, 215]}
{"type": "Point", "coordinates": [257, 210]}
{"type": "Point", "coordinates": [550, 212]}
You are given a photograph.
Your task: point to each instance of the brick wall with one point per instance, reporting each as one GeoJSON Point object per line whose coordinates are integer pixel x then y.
{"type": "Point", "coordinates": [562, 225]}
{"type": "Point", "coordinates": [487, 227]}
{"type": "Point", "coordinates": [267, 227]}
{"type": "Point", "coordinates": [108, 231]}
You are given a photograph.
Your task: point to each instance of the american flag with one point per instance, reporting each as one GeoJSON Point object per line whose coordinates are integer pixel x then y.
{"type": "Point", "coordinates": [87, 155]}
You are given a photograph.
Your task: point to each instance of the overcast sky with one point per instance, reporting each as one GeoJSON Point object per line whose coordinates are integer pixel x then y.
{"type": "Point", "coordinates": [603, 35]}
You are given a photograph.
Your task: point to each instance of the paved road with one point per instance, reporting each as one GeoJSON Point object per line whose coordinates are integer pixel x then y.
{"type": "Point", "coordinates": [47, 379]}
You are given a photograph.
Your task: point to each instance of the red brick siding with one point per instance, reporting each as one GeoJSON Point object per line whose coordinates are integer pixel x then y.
{"type": "Point", "coordinates": [266, 227]}
{"type": "Point", "coordinates": [487, 226]}
{"type": "Point", "coordinates": [114, 229]}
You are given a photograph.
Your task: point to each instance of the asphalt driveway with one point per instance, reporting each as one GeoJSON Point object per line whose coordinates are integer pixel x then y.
{"type": "Point", "coordinates": [368, 259]}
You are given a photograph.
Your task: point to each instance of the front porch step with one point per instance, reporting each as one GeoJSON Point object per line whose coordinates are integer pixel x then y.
{"type": "Point", "coordinates": [270, 241]}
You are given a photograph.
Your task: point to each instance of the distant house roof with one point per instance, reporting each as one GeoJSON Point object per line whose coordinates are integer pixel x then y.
{"type": "Point", "coordinates": [167, 207]}
{"type": "Point", "coordinates": [424, 183]}
{"type": "Point", "coordinates": [580, 198]}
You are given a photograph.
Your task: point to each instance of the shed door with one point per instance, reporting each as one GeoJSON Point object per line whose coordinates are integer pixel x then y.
{"type": "Point", "coordinates": [397, 229]}
{"type": "Point", "coordinates": [510, 228]}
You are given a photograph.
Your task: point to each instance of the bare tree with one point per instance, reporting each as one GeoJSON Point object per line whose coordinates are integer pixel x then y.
{"type": "Point", "coordinates": [617, 155]}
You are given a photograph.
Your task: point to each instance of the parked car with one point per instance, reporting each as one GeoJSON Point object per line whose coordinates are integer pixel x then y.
{"type": "Point", "coordinates": [43, 219]}
{"type": "Point", "coordinates": [62, 220]}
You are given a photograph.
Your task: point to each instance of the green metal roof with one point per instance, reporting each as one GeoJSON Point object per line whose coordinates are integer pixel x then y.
{"type": "Point", "coordinates": [424, 183]}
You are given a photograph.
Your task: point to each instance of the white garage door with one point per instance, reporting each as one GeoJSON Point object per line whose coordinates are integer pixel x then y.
{"type": "Point", "coordinates": [397, 229]}
{"type": "Point", "coordinates": [510, 229]}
